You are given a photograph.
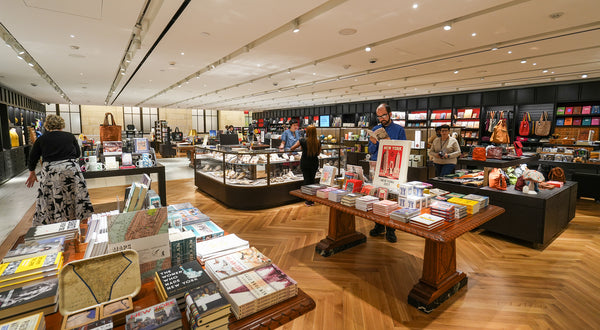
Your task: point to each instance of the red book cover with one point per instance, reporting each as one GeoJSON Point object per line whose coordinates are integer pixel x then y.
{"type": "Point", "coordinates": [569, 111]}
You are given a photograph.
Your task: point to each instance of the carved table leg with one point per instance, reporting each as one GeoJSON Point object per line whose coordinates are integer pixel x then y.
{"type": "Point", "coordinates": [342, 234]}
{"type": "Point", "coordinates": [440, 279]}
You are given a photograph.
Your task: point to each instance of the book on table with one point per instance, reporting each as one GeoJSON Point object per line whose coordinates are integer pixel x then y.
{"type": "Point", "coordinates": [30, 267]}
{"type": "Point", "coordinates": [235, 263]}
{"type": "Point", "coordinates": [35, 248]}
{"type": "Point", "coordinates": [206, 306]}
{"type": "Point", "coordinates": [219, 246]}
{"type": "Point", "coordinates": [183, 246]}
{"type": "Point", "coordinates": [102, 324]}
{"type": "Point", "coordinates": [69, 229]}
{"type": "Point", "coordinates": [205, 230]}
{"type": "Point", "coordinates": [30, 322]}
{"type": "Point", "coordinates": [30, 297]}
{"type": "Point", "coordinates": [164, 316]}
{"type": "Point", "coordinates": [172, 283]}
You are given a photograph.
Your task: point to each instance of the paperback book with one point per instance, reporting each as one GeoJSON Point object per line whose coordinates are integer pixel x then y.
{"type": "Point", "coordinates": [219, 246]}
{"type": "Point", "coordinates": [30, 322]}
{"type": "Point", "coordinates": [165, 316]}
{"type": "Point", "coordinates": [174, 282]}
{"type": "Point", "coordinates": [236, 263]}
{"type": "Point", "coordinates": [68, 229]}
{"type": "Point", "coordinates": [29, 298]}
{"type": "Point", "coordinates": [20, 268]}
{"type": "Point", "coordinates": [35, 248]}
{"type": "Point", "coordinates": [205, 230]}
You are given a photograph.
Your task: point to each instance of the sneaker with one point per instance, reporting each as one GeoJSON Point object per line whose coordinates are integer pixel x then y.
{"type": "Point", "coordinates": [378, 230]}
{"type": "Point", "coordinates": [390, 236]}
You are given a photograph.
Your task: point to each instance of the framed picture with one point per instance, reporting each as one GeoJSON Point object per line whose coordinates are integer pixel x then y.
{"type": "Point", "coordinates": [392, 164]}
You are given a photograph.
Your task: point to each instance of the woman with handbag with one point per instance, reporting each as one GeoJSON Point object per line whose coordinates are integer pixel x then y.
{"type": "Point", "coordinates": [63, 194]}
{"type": "Point", "coordinates": [444, 151]}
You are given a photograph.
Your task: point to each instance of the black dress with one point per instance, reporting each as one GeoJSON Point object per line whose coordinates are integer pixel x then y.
{"type": "Point", "coordinates": [308, 164]}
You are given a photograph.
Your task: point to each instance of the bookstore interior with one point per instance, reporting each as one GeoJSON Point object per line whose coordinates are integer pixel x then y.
{"type": "Point", "coordinates": [527, 158]}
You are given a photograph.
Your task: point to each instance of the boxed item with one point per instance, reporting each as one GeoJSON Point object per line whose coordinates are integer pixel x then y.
{"type": "Point", "coordinates": [99, 287]}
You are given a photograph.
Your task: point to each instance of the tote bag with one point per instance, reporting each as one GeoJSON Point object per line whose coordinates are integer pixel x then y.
{"type": "Point", "coordinates": [500, 134]}
{"type": "Point", "coordinates": [110, 131]}
{"type": "Point", "coordinates": [524, 128]}
{"type": "Point", "coordinates": [542, 126]}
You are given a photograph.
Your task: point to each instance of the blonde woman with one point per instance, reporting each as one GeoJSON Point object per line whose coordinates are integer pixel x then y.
{"type": "Point", "coordinates": [309, 162]}
{"type": "Point", "coordinates": [62, 194]}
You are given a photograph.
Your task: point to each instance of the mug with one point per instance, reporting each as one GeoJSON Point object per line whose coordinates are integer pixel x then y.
{"type": "Point", "coordinates": [145, 163]}
{"type": "Point", "coordinates": [92, 159]}
{"type": "Point", "coordinates": [95, 166]}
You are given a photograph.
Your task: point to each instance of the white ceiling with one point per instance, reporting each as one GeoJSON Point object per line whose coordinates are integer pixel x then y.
{"type": "Point", "coordinates": [261, 64]}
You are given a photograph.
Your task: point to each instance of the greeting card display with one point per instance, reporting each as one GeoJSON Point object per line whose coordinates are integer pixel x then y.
{"type": "Point", "coordinates": [392, 164]}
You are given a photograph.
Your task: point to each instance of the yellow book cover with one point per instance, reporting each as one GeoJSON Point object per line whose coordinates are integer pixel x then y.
{"type": "Point", "coordinates": [30, 266]}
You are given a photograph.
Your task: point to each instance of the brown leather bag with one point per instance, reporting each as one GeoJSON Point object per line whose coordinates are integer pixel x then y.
{"type": "Point", "coordinates": [479, 154]}
{"type": "Point", "coordinates": [500, 134]}
{"type": "Point", "coordinates": [494, 153]}
{"type": "Point", "coordinates": [497, 180]}
{"type": "Point", "coordinates": [110, 131]}
{"type": "Point", "coordinates": [543, 126]}
{"type": "Point", "coordinates": [557, 174]}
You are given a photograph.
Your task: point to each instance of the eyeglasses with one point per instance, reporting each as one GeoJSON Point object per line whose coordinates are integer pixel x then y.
{"type": "Point", "coordinates": [382, 116]}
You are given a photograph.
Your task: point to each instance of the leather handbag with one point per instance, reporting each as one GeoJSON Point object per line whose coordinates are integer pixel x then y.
{"type": "Point", "coordinates": [497, 180]}
{"type": "Point", "coordinates": [524, 128]}
{"type": "Point", "coordinates": [518, 148]}
{"type": "Point", "coordinates": [557, 174]}
{"type": "Point", "coordinates": [500, 134]}
{"type": "Point", "coordinates": [542, 126]}
{"type": "Point", "coordinates": [494, 153]}
{"type": "Point", "coordinates": [109, 131]}
{"type": "Point", "coordinates": [479, 154]}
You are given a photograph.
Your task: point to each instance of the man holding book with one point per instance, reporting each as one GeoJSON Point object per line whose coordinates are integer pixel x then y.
{"type": "Point", "coordinates": [393, 132]}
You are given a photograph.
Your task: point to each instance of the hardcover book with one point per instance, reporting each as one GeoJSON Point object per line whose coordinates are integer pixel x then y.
{"type": "Point", "coordinates": [220, 246]}
{"type": "Point", "coordinates": [19, 268]}
{"type": "Point", "coordinates": [35, 248]}
{"type": "Point", "coordinates": [206, 303]}
{"type": "Point", "coordinates": [28, 298]}
{"type": "Point", "coordinates": [236, 263]}
{"type": "Point", "coordinates": [177, 280]}
{"type": "Point", "coordinates": [31, 322]}
{"type": "Point", "coordinates": [328, 175]}
{"type": "Point", "coordinates": [165, 315]}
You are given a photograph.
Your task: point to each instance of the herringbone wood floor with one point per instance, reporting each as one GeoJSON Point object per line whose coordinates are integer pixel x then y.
{"type": "Point", "coordinates": [510, 285]}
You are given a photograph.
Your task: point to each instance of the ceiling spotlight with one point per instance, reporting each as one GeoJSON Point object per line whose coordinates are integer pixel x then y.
{"type": "Point", "coordinates": [473, 34]}
{"type": "Point", "coordinates": [314, 73]}
{"type": "Point", "coordinates": [415, 5]}
{"type": "Point", "coordinates": [72, 36]}
{"type": "Point", "coordinates": [182, 53]}
{"type": "Point", "coordinates": [534, 63]}
{"type": "Point", "coordinates": [495, 48]}
{"type": "Point", "coordinates": [21, 52]}
{"type": "Point", "coordinates": [447, 27]}
{"type": "Point", "coordinates": [367, 49]}
{"type": "Point", "coordinates": [30, 64]}
{"type": "Point", "coordinates": [7, 45]}
{"type": "Point", "coordinates": [584, 76]}
{"type": "Point", "coordinates": [523, 61]}
{"type": "Point", "coordinates": [19, 57]}
{"type": "Point", "coordinates": [455, 72]}
{"type": "Point", "coordinates": [545, 71]}
{"type": "Point", "coordinates": [510, 52]}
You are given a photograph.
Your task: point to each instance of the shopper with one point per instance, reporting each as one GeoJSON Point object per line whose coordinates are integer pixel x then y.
{"type": "Point", "coordinates": [62, 194]}
{"type": "Point", "coordinates": [444, 151]}
{"type": "Point", "coordinates": [230, 129]}
{"type": "Point", "coordinates": [395, 132]}
{"type": "Point", "coordinates": [309, 161]}
{"type": "Point", "coordinates": [290, 136]}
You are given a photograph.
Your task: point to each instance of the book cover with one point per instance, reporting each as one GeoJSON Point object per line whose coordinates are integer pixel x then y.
{"type": "Point", "coordinates": [154, 317]}
{"type": "Point", "coordinates": [30, 322]}
{"type": "Point", "coordinates": [276, 278]}
{"type": "Point", "coordinates": [586, 110]}
{"type": "Point", "coordinates": [31, 265]}
{"type": "Point", "coordinates": [205, 302]}
{"type": "Point", "coordinates": [595, 110]}
{"type": "Point", "coordinates": [378, 134]}
{"type": "Point", "coordinates": [560, 122]}
{"type": "Point", "coordinates": [245, 289]}
{"type": "Point", "coordinates": [236, 263]}
{"type": "Point", "coordinates": [181, 206]}
{"type": "Point", "coordinates": [468, 113]}
{"type": "Point", "coordinates": [131, 201]}
{"type": "Point", "coordinates": [112, 148]}
{"type": "Point", "coordinates": [177, 280]}
{"type": "Point", "coordinates": [28, 298]}
{"type": "Point", "coordinates": [126, 159]}
{"type": "Point", "coordinates": [328, 175]}
{"type": "Point", "coordinates": [220, 246]}
{"type": "Point", "coordinates": [568, 121]}
{"type": "Point", "coordinates": [35, 248]}
{"type": "Point", "coordinates": [141, 197]}
{"type": "Point", "coordinates": [188, 216]}
{"type": "Point", "coordinates": [205, 230]}
{"type": "Point", "coordinates": [102, 324]}
{"type": "Point", "coordinates": [568, 110]}
{"type": "Point", "coordinates": [66, 228]}
{"type": "Point", "coordinates": [576, 110]}
{"type": "Point", "coordinates": [595, 121]}
{"type": "Point", "coordinates": [560, 111]}
{"type": "Point", "coordinates": [576, 121]}
{"type": "Point", "coordinates": [141, 145]}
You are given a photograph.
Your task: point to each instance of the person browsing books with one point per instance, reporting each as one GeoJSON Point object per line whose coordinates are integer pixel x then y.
{"type": "Point", "coordinates": [62, 193]}
{"type": "Point", "coordinates": [394, 132]}
{"type": "Point", "coordinates": [309, 161]}
{"type": "Point", "coordinates": [444, 151]}
{"type": "Point", "coordinates": [290, 136]}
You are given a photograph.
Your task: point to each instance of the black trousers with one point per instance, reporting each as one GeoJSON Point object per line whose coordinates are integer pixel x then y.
{"type": "Point", "coordinates": [309, 174]}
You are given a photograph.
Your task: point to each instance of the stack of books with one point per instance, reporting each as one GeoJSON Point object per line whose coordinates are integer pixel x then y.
{"type": "Point", "coordinates": [336, 195]}
{"type": "Point", "coordinates": [235, 263]}
{"type": "Point", "coordinates": [256, 290]}
{"type": "Point", "coordinates": [68, 229]}
{"type": "Point", "coordinates": [24, 272]}
{"type": "Point", "coordinates": [31, 322]}
{"type": "Point", "coordinates": [457, 195]}
{"type": "Point", "coordinates": [35, 248]}
{"type": "Point", "coordinates": [183, 246]}
{"type": "Point", "coordinates": [220, 246]}
{"type": "Point", "coordinates": [365, 203]}
{"type": "Point", "coordinates": [164, 315]}
{"type": "Point", "coordinates": [403, 215]}
{"type": "Point", "coordinates": [40, 297]}
{"type": "Point", "coordinates": [460, 211]}
{"type": "Point", "coordinates": [174, 282]}
{"type": "Point", "coordinates": [426, 221]}
{"type": "Point", "coordinates": [384, 207]}
{"type": "Point", "coordinates": [324, 192]}
{"type": "Point", "coordinates": [444, 210]}
{"type": "Point", "coordinates": [185, 214]}
{"type": "Point", "coordinates": [472, 206]}
{"type": "Point", "coordinates": [438, 192]}
{"type": "Point", "coordinates": [205, 230]}
{"type": "Point", "coordinates": [350, 199]}
{"type": "Point", "coordinates": [97, 235]}
{"type": "Point", "coordinates": [207, 308]}
{"type": "Point", "coordinates": [484, 200]}
{"type": "Point", "coordinates": [311, 189]}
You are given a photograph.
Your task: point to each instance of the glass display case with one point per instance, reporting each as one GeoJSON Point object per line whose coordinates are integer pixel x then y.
{"type": "Point", "coordinates": [254, 179]}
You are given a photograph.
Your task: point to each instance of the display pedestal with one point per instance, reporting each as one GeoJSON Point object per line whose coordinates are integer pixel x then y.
{"type": "Point", "coordinates": [440, 279]}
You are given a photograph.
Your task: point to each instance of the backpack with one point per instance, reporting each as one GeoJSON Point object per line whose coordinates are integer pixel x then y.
{"type": "Point", "coordinates": [557, 174]}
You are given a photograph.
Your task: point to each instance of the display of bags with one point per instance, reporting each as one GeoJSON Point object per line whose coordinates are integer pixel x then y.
{"type": "Point", "coordinates": [500, 134]}
{"type": "Point", "coordinates": [542, 126]}
{"type": "Point", "coordinates": [524, 128]}
{"type": "Point", "coordinates": [479, 154]}
{"type": "Point", "coordinates": [494, 153]}
{"type": "Point", "coordinates": [177, 135]}
{"type": "Point", "coordinates": [557, 174]}
{"type": "Point", "coordinates": [110, 131]}
{"type": "Point", "coordinates": [496, 179]}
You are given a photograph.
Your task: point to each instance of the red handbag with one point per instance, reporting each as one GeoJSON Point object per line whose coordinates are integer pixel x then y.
{"type": "Point", "coordinates": [524, 128]}
{"type": "Point", "coordinates": [518, 148]}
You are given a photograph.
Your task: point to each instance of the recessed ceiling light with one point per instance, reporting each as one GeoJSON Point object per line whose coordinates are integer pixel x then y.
{"type": "Point", "coordinates": [21, 52]}
{"type": "Point", "coordinates": [296, 30]}
{"type": "Point", "coordinates": [258, 65]}
{"type": "Point", "coordinates": [19, 57]}
{"type": "Point", "coordinates": [30, 64]}
{"type": "Point", "coordinates": [182, 53]}
{"type": "Point", "coordinates": [584, 76]}
{"type": "Point", "coordinates": [314, 73]}
{"type": "Point", "coordinates": [448, 27]}
{"type": "Point", "coordinates": [510, 52]}
{"type": "Point", "coordinates": [552, 72]}
{"type": "Point", "coordinates": [415, 5]}
{"type": "Point", "coordinates": [523, 61]}
{"type": "Point", "coordinates": [455, 72]}
{"type": "Point", "coordinates": [473, 34]}
{"type": "Point", "coordinates": [7, 45]}
{"type": "Point", "coordinates": [347, 31]}
{"type": "Point", "coordinates": [72, 36]}
{"type": "Point", "coordinates": [545, 71]}
{"type": "Point", "coordinates": [534, 63]}
{"type": "Point", "coordinates": [367, 49]}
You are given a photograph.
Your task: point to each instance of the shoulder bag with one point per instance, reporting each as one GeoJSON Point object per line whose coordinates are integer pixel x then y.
{"type": "Point", "coordinates": [542, 126]}
{"type": "Point", "coordinates": [500, 134]}
{"type": "Point", "coordinates": [518, 148]}
{"type": "Point", "coordinates": [524, 128]}
{"type": "Point", "coordinates": [110, 131]}
{"type": "Point", "coordinates": [497, 180]}
{"type": "Point", "coordinates": [494, 153]}
{"type": "Point", "coordinates": [177, 135]}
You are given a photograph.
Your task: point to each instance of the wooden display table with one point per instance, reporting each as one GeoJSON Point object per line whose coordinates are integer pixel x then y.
{"type": "Point", "coordinates": [159, 169]}
{"type": "Point", "coordinates": [270, 318]}
{"type": "Point", "coordinates": [440, 278]}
